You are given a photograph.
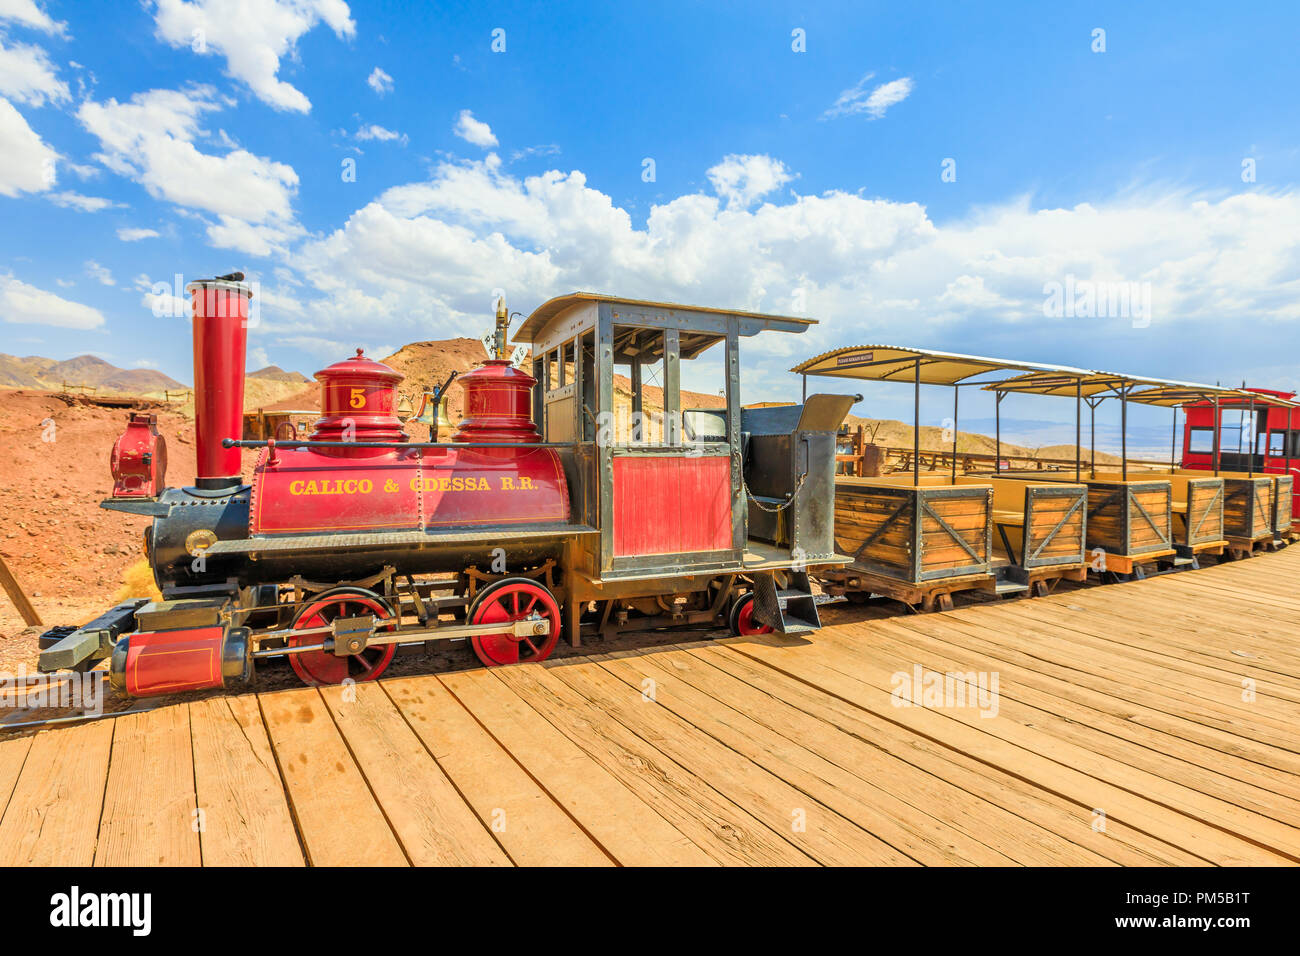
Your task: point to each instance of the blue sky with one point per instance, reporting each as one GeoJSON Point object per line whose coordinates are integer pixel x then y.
{"type": "Point", "coordinates": [525, 169]}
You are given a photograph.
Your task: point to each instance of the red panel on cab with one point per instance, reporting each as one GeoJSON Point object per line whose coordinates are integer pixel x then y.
{"type": "Point", "coordinates": [671, 504]}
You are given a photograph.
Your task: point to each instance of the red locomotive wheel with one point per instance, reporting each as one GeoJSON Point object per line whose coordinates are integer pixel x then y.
{"type": "Point", "coordinates": [742, 617]}
{"type": "Point", "coordinates": [323, 667]}
{"type": "Point", "coordinates": [514, 599]}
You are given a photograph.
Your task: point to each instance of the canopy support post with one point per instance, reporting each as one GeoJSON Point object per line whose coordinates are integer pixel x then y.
{"type": "Point", "coordinates": [916, 425]}
{"type": "Point", "coordinates": [1173, 442]}
{"type": "Point", "coordinates": [1123, 434]}
{"type": "Point", "coordinates": [1092, 435]}
{"type": "Point", "coordinates": [1078, 424]}
{"type": "Point", "coordinates": [805, 388]}
{"type": "Point", "coordinates": [997, 431]}
{"type": "Point", "coordinates": [956, 391]}
{"type": "Point", "coordinates": [1254, 437]}
{"type": "Point", "coordinates": [1216, 432]}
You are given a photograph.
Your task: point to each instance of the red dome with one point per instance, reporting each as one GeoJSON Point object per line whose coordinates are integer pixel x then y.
{"type": "Point", "coordinates": [359, 402]}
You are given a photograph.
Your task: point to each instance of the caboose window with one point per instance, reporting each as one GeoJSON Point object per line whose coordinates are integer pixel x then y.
{"type": "Point", "coordinates": [1201, 441]}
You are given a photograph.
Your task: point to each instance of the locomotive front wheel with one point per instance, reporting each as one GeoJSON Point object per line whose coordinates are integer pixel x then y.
{"type": "Point", "coordinates": [741, 618]}
{"type": "Point", "coordinates": [324, 667]}
{"type": "Point", "coordinates": [509, 600]}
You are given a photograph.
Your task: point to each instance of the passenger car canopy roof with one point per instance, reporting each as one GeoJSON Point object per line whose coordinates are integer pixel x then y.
{"type": "Point", "coordinates": [886, 363]}
{"type": "Point", "coordinates": [1072, 382]}
{"type": "Point", "coordinates": [1175, 394]}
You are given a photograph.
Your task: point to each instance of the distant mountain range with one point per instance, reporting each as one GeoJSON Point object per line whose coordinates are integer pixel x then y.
{"type": "Point", "coordinates": [34, 371]}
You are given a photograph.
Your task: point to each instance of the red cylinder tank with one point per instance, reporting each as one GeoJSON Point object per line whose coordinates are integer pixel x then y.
{"type": "Point", "coordinates": [498, 404]}
{"type": "Point", "coordinates": [220, 337]}
{"type": "Point", "coordinates": [358, 404]}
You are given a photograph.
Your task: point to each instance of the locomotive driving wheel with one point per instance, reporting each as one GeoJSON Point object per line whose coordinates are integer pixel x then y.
{"type": "Point", "coordinates": [325, 667]}
{"type": "Point", "coordinates": [507, 601]}
{"type": "Point", "coordinates": [741, 618]}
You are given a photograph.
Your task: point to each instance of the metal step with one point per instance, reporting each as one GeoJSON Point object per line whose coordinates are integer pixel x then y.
{"type": "Point", "coordinates": [1002, 588]}
{"type": "Point", "coordinates": [791, 610]}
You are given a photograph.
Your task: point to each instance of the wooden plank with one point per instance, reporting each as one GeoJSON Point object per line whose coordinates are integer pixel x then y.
{"type": "Point", "coordinates": [13, 753]}
{"type": "Point", "coordinates": [629, 829]}
{"type": "Point", "coordinates": [699, 693]}
{"type": "Point", "coordinates": [725, 831]}
{"type": "Point", "coordinates": [337, 817]}
{"type": "Point", "coordinates": [1129, 702]}
{"type": "Point", "coordinates": [1039, 826]}
{"type": "Point", "coordinates": [149, 816]}
{"type": "Point", "coordinates": [431, 820]}
{"type": "Point", "coordinates": [246, 816]}
{"type": "Point", "coordinates": [819, 831]}
{"type": "Point", "coordinates": [991, 744]}
{"type": "Point", "coordinates": [1190, 764]}
{"type": "Point", "coordinates": [53, 814]}
{"type": "Point", "coordinates": [532, 828]}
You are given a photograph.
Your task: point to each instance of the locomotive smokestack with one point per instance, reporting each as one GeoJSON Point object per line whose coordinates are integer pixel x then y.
{"type": "Point", "coordinates": [220, 338]}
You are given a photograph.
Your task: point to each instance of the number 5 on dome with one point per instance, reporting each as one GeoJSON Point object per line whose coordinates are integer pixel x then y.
{"type": "Point", "coordinates": [358, 399]}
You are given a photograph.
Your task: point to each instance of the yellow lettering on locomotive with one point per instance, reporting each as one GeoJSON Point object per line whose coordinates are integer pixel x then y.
{"type": "Point", "coordinates": [525, 483]}
{"type": "Point", "coordinates": [457, 483]}
{"type": "Point", "coordinates": [507, 483]}
{"type": "Point", "coordinates": [337, 486]}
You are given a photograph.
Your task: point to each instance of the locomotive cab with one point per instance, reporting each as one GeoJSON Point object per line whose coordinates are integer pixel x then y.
{"type": "Point", "coordinates": [666, 489]}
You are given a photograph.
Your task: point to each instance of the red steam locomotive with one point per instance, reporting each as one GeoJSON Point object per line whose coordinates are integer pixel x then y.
{"type": "Point", "coordinates": [552, 511]}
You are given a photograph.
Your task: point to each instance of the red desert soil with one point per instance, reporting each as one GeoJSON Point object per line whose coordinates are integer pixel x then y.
{"type": "Point", "coordinates": [68, 554]}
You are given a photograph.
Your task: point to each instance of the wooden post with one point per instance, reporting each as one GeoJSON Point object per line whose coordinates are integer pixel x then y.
{"type": "Point", "coordinates": [17, 596]}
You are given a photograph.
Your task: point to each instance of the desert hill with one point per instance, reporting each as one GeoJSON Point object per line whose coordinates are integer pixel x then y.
{"type": "Point", "coordinates": [274, 373]}
{"type": "Point", "coordinates": [33, 371]}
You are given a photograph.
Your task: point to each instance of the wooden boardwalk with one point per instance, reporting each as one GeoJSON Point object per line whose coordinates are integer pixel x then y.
{"type": "Point", "coordinates": [1145, 723]}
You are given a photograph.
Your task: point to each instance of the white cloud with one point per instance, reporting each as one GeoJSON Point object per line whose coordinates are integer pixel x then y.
{"type": "Point", "coordinates": [379, 133]}
{"type": "Point", "coordinates": [81, 203]}
{"type": "Point", "coordinates": [473, 131]}
{"type": "Point", "coordinates": [145, 363]}
{"type": "Point", "coordinates": [134, 234]}
{"type": "Point", "coordinates": [874, 103]}
{"type": "Point", "coordinates": [99, 273]}
{"type": "Point", "coordinates": [22, 303]}
{"type": "Point", "coordinates": [151, 139]}
{"type": "Point", "coordinates": [29, 165]}
{"type": "Point", "coordinates": [741, 180]}
{"type": "Point", "coordinates": [160, 298]}
{"type": "Point", "coordinates": [380, 81]}
{"type": "Point", "coordinates": [422, 258]}
{"type": "Point", "coordinates": [28, 76]}
{"type": "Point", "coordinates": [253, 35]}
{"type": "Point", "coordinates": [27, 13]}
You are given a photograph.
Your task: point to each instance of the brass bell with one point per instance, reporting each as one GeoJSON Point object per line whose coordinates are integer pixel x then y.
{"type": "Point", "coordinates": [433, 413]}
{"type": "Point", "coordinates": [404, 408]}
